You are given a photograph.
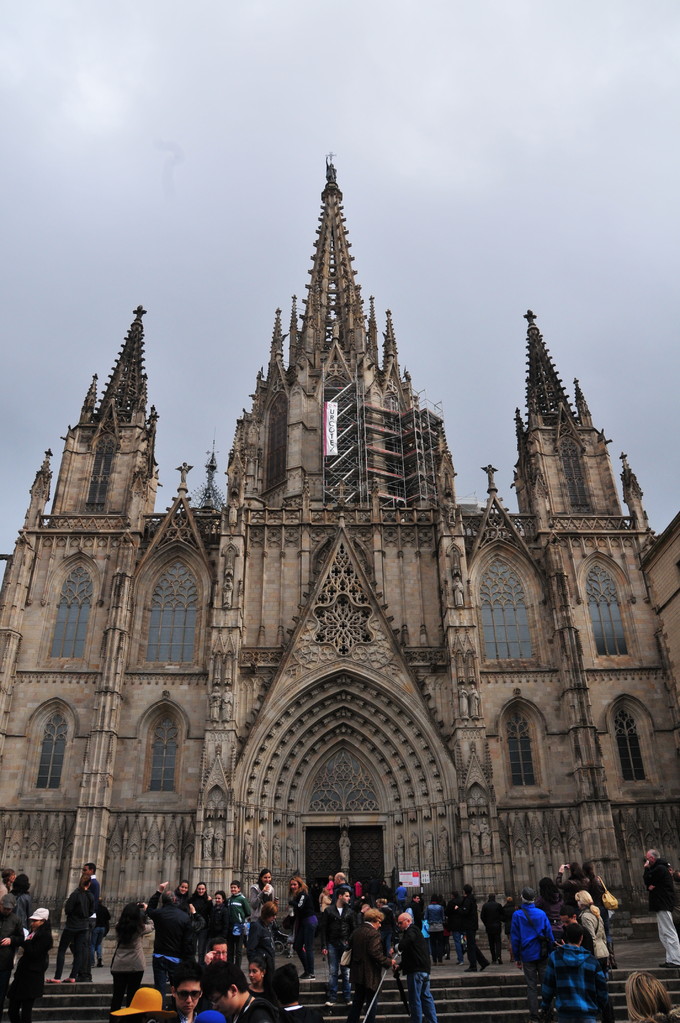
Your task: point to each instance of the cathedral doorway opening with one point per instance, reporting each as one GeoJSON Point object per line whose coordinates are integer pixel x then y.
{"type": "Point", "coordinates": [366, 855]}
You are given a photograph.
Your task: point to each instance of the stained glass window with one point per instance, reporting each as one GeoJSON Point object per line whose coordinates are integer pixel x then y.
{"type": "Point", "coordinates": [73, 612]}
{"type": "Point", "coordinates": [605, 613]}
{"type": "Point", "coordinates": [519, 747]}
{"type": "Point", "coordinates": [343, 785]}
{"type": "Point", "coordinates": [504, 614]}
{"type": "Point", "coordinates": [628, 741]}
{"type": "Point", "coordinates": [52, 753]}
{"type": "Point", "coordinates": [572, 468]}
{"type": "Point", "coordinates": [101, 474]}
{"type": "Point", "coordinates": [277, 441]}
{"type": "Point", "coordinates": [164, 756]}
{"type": "Point", "coordinates": [173, 616]}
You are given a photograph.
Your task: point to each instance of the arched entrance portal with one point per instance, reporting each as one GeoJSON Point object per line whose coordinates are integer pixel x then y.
{"type": "Point", "coordinates": [345, 789]}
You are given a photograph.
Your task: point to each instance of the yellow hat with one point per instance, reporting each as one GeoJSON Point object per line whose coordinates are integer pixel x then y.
{"type": "Point", "coordinates": [146, 999]}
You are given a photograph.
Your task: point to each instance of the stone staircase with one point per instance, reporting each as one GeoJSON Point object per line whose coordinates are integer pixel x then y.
{"type": "Point", "coordinates": [468, 998]}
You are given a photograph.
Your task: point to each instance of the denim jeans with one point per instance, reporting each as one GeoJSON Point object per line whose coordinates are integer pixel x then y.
{"type": "Point", "coordinates": [533, 974]}
{"type": "Point", "coordinates": [334, 954]}
{"type": "Point", "coordinates": [163, 972]}
{"type": "Point", "coordinates": [96, 944]}
{"type": "Point", "coordinates": [420, 1000]}
{"type": "Point", "coordinates": [304, 943]}
{"type": "Point", "coordinates": [458, 942]}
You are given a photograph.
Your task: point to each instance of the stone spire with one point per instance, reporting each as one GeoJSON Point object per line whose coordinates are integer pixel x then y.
{"type": "Point", "coordinates": [545, 391]}
{"type": "Point", "coordinates": [276, 348]}
{"type": "Point", "coordinates": [582, 409]}
{"type": "Point", "coordinates": [90, 402]}
{"type": "Point", "coordinates": [126, 388]}
{"type": "Point", "coordinates": [372, 339]}
{"type": "Point", "coordinates": [334, 307]}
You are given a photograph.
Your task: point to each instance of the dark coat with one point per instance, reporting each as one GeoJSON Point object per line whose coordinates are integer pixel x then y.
{"type": "Point", "coordinates": [79, 908]}
{"type": "Point", "coordinates": [658, 876]}
{"type": "Point", "coordinates": [29, 976]}
{"type": "Point", "coordinates": [492, 916]}
{"type": "Point", "coordinates": [219, 922]}
{"type": "Point", "coordinates": [173, 934]}
{"type": "Point", "coordinates": [335, 929]}
{"type": "Point", "coordinates": [415, 957]}
{"type": "Point", "coordinates": [468, 912]}
{"type": "Point", "coordinates": [368, 959]}
{"type": "Point", "coordinates": [10, 927]}
{"type": "Point", "coordinates": [454, 919]}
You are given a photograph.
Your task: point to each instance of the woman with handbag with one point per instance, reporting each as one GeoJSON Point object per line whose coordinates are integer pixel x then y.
{"type": "Point", "coordinates": [129, 962]}
{"type": "Point", "coordinates": [590, 919]}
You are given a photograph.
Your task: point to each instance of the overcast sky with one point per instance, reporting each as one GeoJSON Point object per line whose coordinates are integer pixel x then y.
{"type": "Point", "coordinates": [493, 156]}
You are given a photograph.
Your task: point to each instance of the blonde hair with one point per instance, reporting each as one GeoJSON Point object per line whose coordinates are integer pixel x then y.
{"type": "Point", "coordinates": [584, 898]}
{"type": "Point", "coordinates": [374, 916]}
{"type": "Point", "coordinates": [301, 883]}
{"type": "Point", "coordinates": [645, 996]}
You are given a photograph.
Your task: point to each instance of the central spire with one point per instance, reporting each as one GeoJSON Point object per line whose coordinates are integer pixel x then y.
{"type": "Point", "coordinates": [334, 310]}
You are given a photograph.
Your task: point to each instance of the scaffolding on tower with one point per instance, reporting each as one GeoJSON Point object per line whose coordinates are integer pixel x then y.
{"type": "Point", "coordinates": [378, 448]}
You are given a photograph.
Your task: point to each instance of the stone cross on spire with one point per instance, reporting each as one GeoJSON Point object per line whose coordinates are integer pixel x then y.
{"type": "Point", "coordinates": [530, 317]}
{"type": "Point", "coordinates": [139, 312]}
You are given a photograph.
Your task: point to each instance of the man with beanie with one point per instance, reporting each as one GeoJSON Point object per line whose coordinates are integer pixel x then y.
{"type": "Point", "coordinates": [531, 939]}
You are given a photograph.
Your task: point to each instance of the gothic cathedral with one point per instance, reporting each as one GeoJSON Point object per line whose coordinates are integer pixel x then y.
{"type": "Point", "coordinates": [340, 663]}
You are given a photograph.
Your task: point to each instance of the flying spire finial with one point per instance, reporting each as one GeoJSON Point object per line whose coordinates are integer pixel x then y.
{"type": "Point", "coordinates": [331, 173]}
{"type": "Point", "coordinates": [530, 317]}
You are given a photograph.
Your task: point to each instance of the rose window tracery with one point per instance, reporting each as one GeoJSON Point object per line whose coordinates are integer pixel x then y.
{"type": "Point", "coordinates": [342, 611]}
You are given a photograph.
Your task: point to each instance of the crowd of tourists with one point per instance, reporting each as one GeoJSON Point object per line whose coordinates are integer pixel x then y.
{"type": "Point", "coordinates": [559, 935]}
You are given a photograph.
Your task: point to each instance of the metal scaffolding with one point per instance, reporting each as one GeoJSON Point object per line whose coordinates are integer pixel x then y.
{"type": "Point", "coordinates": [381, 449]}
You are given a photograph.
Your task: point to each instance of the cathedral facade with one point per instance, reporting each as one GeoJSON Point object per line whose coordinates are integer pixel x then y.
{"type": "Point", "coordinates": [340, 663]}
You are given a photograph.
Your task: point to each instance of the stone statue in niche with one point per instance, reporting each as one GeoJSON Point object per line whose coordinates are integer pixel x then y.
{"type": "Point", "coordinates": [291, 855]}
{"type": "Point", "coordinates": [429, 848]}
{"type": "Point", "coordinates": [464, 703]}
{"type": "Point", "coordinates": [208, 836]}
{"type": "Point", "coordinates": [228, 586]}
{"type": "Point", "coordinates": [474, 702]}
{"type": "Point", "coordinates": [401, 850]}
{"type": "Point", "coordinates": [345, 846]}
{"type": "Point", "coordinates": [227, 706]}
{"type": "Point", "coordinates": [484, 837]}
{"type": "Point", "coordinates": [458, 590]}
{"type": "Point", "coordinates": [414, 850]}
{"type": "Point", "coordinates": [443, 845]}
{"type": "Point", "coordinates": [475, 837]}
{"type": "Point", "coordinates": [218, 844]}
{"type": "Point", "coordinates": [215, 704]}
{"type": "Point", "coordinates": [276, 850]}
{"type": "Point", "coordinates": [263, 851]}
{"type": "Point", "coordinates": [247, 847]}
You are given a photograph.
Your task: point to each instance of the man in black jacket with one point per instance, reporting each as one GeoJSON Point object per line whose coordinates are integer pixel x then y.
{"type": "Point", "coordinates": [659, 883]}
{"type": "Point", "coordinates": [468, 912]}
{"type": "Point", "coordinates": [416, 965]}
{"type": "Point", "coordinates": [335, 927]}
{"type": "Point", "coordinates": [173, 936]}
{"type": "Point", "coordinates": [492, 918]}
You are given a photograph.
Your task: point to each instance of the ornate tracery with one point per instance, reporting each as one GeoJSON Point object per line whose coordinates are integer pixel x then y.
{"type": "Point", "coordinates": [342, 610]}
{"type": "Point", "coordinates": [343, 785]}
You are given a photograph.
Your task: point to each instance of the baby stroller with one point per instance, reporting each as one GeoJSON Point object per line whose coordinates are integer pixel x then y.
{"type": "Point", "coordinates": [283, 943]}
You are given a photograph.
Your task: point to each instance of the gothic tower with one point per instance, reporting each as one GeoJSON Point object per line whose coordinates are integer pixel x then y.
{"type": "Point", "coordinates": [341, 665]}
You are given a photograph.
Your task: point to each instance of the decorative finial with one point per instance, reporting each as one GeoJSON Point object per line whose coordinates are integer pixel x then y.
{"type": "Point", "coordinates": [530, 317]}
{"type": "Point", "coordinates": [183, 469]}
{"type": "Point", "coordinates": [139, 312]}
{"type": "Point", "coordinates": [490, 470]}
{"type": "Point", "coordinates": [331, 174]}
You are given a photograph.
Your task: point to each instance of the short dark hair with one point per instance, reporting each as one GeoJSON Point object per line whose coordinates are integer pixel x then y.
{"type": "Point", "coordinates": [186, 971]}
{"type": "Point", "coordinates": [219, 939]}
{"type": "Point", "coordinates": [237, 883]}
{"type": "Point", "coordinates": [573, 934]}
{"type": "Point", "coordinates": [286, 984]}
{"type": "Point", "coordinates": [221, 976]}
{"type": "Point", "coordinates": [467, 888]}
{"type": "Point", "coordinates": [92, 867]}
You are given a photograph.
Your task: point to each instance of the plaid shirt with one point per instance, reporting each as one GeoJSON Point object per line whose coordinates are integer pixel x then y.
{"type": "Point", "coordinates": [574, 978]}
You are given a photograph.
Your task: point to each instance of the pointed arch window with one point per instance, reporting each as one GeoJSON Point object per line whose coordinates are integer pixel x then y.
{"type": "Point", "coordinates": [172, 625]}
{"type": "Point", "coordinates": [519, 749]}
{"type": "Point", "coordinates": [628, 742]}
{"type": "Point", "coordinates": [504, 614]}
{"type": "Point", "coordinates": [277, 441]}
{"type": "Point", "coordinates": [101, 474]}
{"type": "Point", "coordinates": [73, 612]}
{"type": "Point", "coordinates": [605, 613]}
{"type": "Point", "coordinates": [572, 469]}
{"type": "Point", "coordinates": [163, 755]}
{"type": "Point", "coordinates": [52, 752]}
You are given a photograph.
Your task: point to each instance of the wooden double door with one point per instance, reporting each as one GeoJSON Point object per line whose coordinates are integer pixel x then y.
{"type": "Point", "coordinates": [366, 859]}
